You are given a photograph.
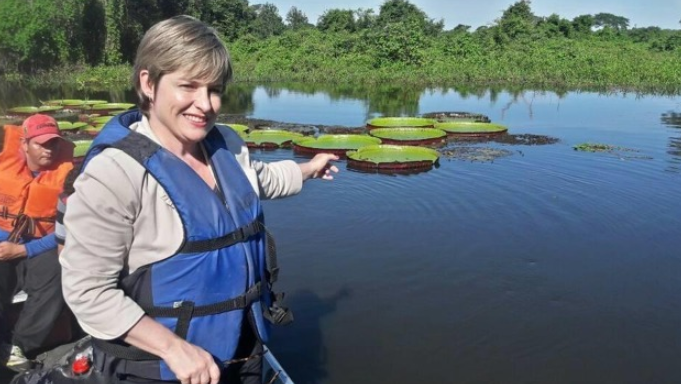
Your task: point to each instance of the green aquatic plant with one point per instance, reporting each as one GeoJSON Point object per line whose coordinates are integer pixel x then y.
{"type": "Point", "coordinates": [596, 147]}
{"type": "Point", "coordinates": [400, 122]}
{"type": "Point", "coordinates": [384, 156]}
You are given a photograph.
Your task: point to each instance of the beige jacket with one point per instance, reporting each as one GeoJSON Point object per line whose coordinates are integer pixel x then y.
{"type": "Point", "coordinates": [120, 218]}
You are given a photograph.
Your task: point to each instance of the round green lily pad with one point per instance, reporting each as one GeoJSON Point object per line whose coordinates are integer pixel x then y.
{"type": "Point", "coordinates": [270, 138]}
{"type": "Point", "coordinates": [81, 147]}
{"type": "Point", "coordinates": [65, 102]}
{"type": "Point", "coordinates": [400, 122]}
{"type": "Point", "coordinates": [468, 128]}
{"type": "Point", "coordinates": [100, 119]}
{"type": "Point", "coordinates": [93, 130]}
{"type": "Point", "coordinates": [336, 144]}
{"type": "Point", "coordinates": [95, 102]}
{"type": "Point", "coordinates": [392, 157]}
{"type": "Point", "coordinates": [25, 111]}
{"type": "Point", "coordinates": [410, 136]}
{"type": "Point", "coordinates": [239, 128]}
{"type": "Point", "coordinates": [69, 126]}
{"type": "Point", "coordinates": [110, 108]}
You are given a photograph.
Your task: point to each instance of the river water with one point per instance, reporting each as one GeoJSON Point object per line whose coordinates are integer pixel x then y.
{"type": "Point", "coordinates": [547, 265]}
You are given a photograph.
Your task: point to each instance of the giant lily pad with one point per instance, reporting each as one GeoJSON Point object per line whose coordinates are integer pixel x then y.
{"type": "Point", "coordinates": [392, 157]}
{"type": "Point", "coordinates": [27, 111]}
{"type": "Point", "coordinates": [93, 130]}
{"type": "Point", "coordinates": [81, 148]}
{"type": "Point", "coordinates": [99, 119]}
{"type": "Point", "coordinates": [336, 144]}
{"type": "Point", "coordinates": [69, 126]}
{"type": "Point", "coordinates": [239, 128]}
{"type": "Point", "coordinates": [110, 108]}
{"type": "Point", "coordinates": [400, 122]}
{"type": "Point", "coordinates": [468, 128]}
{"type": "Point", "coordinates": [95, 102]}
{"type": "Point", "coordinates": [410, 136]}
{"type": "Point", "coordinates": [270, 138]}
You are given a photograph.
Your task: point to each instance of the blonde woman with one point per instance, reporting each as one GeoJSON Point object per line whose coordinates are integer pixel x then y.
{"type": "Point", "coordinates": [165, 262]}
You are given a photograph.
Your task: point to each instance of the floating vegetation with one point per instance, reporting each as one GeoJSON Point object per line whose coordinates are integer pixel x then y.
{"type": "Point", "coordinates": [27, 111]}
{"type": "Point", "coordinates": [400, 122]}
{"type": "Point", "coordinates": [110, 108]}
{"type": "Point", "coordinates": [610, 149]}
{"type": "Point", "coordinates": [69, 126]}
{"type": "Point", "coordinates": [597, 147]}
{"type": "Point", "coordinates": [270, 138]}
{"type": "Point", "coordinates": [410, 136]}
{"type": "Point", "coordinates": [392, 157]}
{"type": "Point", "coordinates": [457, 116]}
{"type": "Point", "coordinates": [239, 128]}
{"type": "Point", "coordinates": [525, 139]}
{"type": "Point", "coordinates": [81, 148]}
{"type": "Point", "coordinates": [336, 144]}
{"type": "Point", "coordinates": [96, 102]}
{"type": "Point", "coordinates": [483, 154]}
{"type": "Point", "coordinates": [99, 119]}
{"type": "Point", "coordinates": [471, 128]}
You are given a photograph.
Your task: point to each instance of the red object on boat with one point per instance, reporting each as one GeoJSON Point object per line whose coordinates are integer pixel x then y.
{"type": "Point", "coordinates": [81, 365]}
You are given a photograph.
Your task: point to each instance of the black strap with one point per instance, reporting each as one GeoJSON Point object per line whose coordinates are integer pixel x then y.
{"type": "Point", "coordinates": [239, 235]}
{"type": "Point", "coordinates": [184, 312]}
{"type": "Point", "coordinates": [239, 302]}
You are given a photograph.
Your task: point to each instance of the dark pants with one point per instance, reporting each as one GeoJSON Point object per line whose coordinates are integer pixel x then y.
{"type": "Point", "coordinates": [40, 278]}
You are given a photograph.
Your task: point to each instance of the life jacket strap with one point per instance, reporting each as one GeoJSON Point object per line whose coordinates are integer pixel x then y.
{"type": "Point", "coordinates": [239, 235]}
{"type": "Point", "coordinates": [23, 226]}
{"type": "Point", "coordinates": [184, 311]}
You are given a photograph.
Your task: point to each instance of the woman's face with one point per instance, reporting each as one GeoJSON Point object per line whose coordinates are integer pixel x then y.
{"type": "Point", "coordinates": [182, 108]}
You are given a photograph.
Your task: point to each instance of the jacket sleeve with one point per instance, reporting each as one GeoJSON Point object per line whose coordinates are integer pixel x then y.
{"type": "Point", "coordinates": [99, 231]}
{"type": "Point", "coordinates": [278, 179]}
{"type": "Point", "coordinates": [270, 180]}
{"type": "Point", "coordinates": [37, 247]}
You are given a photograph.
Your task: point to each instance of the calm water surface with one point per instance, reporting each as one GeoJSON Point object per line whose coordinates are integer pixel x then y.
{"type": "Point", "coordinates": [545, 266]}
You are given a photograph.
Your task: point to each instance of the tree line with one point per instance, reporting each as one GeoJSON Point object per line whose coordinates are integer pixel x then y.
{"type": "Point", "coordinates": [38, 35]}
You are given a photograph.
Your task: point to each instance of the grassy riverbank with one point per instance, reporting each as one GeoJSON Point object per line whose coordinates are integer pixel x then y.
{"type": "Point", "coordinates": [309, 56]}
{"type": "Point", "coordinates": [398, 45]}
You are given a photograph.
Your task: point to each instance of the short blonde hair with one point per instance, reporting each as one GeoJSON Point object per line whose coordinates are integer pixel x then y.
{"type": "Point", "coordinates": [180, 43]}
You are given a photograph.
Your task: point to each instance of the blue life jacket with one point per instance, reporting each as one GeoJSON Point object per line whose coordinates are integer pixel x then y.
{"type": "Point", "coordinates": [222, 273]}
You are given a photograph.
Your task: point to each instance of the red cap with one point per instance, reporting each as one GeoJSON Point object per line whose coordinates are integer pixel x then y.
{"type": "Point", "coordinates": [41, 128]}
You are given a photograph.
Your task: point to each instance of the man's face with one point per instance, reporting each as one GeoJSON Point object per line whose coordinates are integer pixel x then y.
{"type": "Point", "coordinates": [41, 156]}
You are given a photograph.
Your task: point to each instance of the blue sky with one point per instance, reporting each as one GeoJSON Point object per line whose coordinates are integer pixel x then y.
{"type": "Point", "coordinates": [641, 13]}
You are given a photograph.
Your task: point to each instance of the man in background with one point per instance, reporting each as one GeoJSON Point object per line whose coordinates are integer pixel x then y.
{"type": "Point", "coordinates": [34, 163]}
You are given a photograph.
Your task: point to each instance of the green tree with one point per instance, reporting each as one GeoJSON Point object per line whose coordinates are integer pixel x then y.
{"type": "Point", "coordinates": [365, 18]}
{"type": "Point", "coordinates": [232, 18]}
{"type": "Point", "coordinates": [609, 20]}
{"type": "Point", "coordinates": [296, 19]}
{"type": "Point", "coordinates": [335, 20]}
{"type": "Point", "coordinates": [402, 11]}
{"type": "Point", "coordinates": [517, 22]}
{"type": "Point", "coordinates": [33, 35]}
{"type": "Point", "coordinates": [267, 21]}
{"type": "Point", "coordinates": [582, 24]}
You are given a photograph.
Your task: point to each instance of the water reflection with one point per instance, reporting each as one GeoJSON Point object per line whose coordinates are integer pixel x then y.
{"type": "Point", "coordinates": [303, 338]}
{"type": "Point", "coordinates": [673, 120]}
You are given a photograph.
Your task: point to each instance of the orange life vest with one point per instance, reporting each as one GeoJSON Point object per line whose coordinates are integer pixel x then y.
{"type": "Point", "coordinates": [28, 205]}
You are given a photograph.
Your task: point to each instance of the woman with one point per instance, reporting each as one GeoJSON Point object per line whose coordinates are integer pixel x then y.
{"type": "Point", "coordinates": [165, 255]}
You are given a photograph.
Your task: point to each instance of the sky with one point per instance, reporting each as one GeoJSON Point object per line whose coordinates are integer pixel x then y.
{"type": "Point", "coordinates": [641, 13]}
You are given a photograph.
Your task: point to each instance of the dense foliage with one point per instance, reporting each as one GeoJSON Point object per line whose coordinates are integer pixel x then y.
{"type": "Point", "coordinates": [399, 42]}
